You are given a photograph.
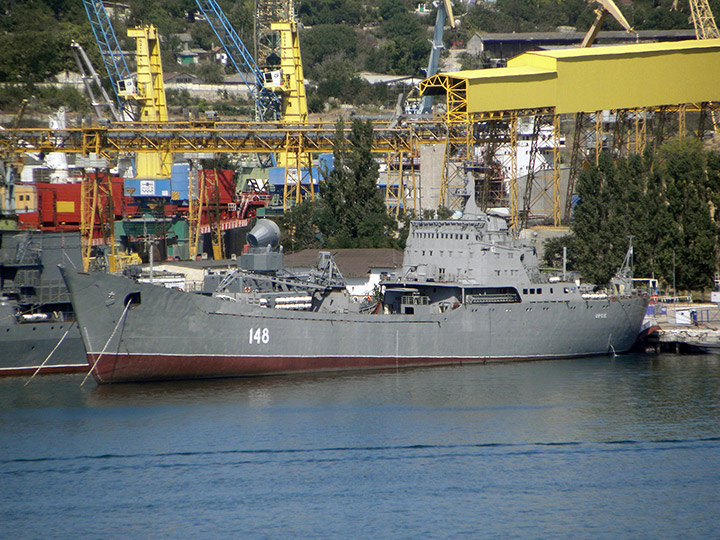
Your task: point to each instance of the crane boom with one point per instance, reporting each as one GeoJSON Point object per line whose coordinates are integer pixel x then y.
{"type": "Point", "coordinates": [444, 13]}
{"type": "Point", "coordinates": [91, 80]}
{"type": "Point", "coordinates": [703, 20]}
{"type": "Point", "coordinates": [268, 104]}
{"type": "Point", "coordinates": [112, 55]}
{"type": "Point", "coordinates": [606, 6]}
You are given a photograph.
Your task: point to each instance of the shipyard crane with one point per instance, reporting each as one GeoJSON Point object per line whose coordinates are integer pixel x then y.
{"type": "Point", "coordinates": [416, 106]}
{"type": "Point", "coordinates": [146, 89]}
{"type": "Point", "coordinates": [444, 13]}
{"type": "Point", "coordinates": [703, 20]}
{"type": "Point", "coordinates": [279, 94]}
{"type": "Point", "coordinates": [268, 104]}
{"type": "Point", "coordinates": [92, 83]}
{"type": "Point", "coordinates": [606, 6]}
{"type": "Point", "coordinates": [19, 115]}
{"type": "Point", "coordinates": [112, 55]}
{"type": "Point", "coordinates": [705, 28]}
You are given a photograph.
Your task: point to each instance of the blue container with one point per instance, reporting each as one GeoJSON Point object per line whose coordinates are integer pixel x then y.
{"type": "Point", "coordinates": [148, 187]}
{"type": "Point", "coordinates": [179, 177]}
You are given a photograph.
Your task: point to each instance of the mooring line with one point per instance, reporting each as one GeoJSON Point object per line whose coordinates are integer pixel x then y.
{"type": "Point", "coordinates": [127, 306]}
{"type": "Point", "coordinates": [69, 259]}
{"type": "Point", "coordinates": [48, 356]}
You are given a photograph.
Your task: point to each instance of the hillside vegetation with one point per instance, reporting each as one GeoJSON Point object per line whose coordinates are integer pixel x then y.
{"type": "Point", "coordinates": [339, 38]}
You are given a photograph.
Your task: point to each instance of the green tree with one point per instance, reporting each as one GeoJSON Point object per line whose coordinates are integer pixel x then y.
{"type": "Point", "coordinates": [326, 40]}
{"type": "Point", "coordinates": [299, 227]}
{"type": "Point", "coordinates": [354, 210]}
{"type": "Point", "coordinates": [331, 12]}
{"type": "Point", "coordinates": [405, 48]}
{"type": "Point", "coordinates": [594, 222]}
{"type": "Point", "coordinates": [682, 164]}
{"type": "Point", "coordinates": [666, 202]}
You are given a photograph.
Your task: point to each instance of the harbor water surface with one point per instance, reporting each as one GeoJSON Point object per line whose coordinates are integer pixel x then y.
{"type": "Point", "coordinates": [625, 447]}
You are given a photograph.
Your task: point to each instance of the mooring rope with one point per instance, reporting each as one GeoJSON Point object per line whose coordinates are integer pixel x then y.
{"type": "Point", "coordinates": [48, 356]}
{"type": "Point", "coordinates": [69, 259]}
{"type": "Point", "coordinates": [127, 306]}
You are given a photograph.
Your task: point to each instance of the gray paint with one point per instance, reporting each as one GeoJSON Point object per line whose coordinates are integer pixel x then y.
{"type": "Point", "coordinates": [458, 302]}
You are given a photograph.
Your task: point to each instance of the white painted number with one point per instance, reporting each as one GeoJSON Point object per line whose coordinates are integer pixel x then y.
{"type": "Point", "coordinates": [259, 335]}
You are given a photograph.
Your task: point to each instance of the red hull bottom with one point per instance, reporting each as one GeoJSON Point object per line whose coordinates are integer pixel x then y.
{"type": "Point", "coordinates": [114, 368]}
{"type": "Point", "coordinates": [46, 370]}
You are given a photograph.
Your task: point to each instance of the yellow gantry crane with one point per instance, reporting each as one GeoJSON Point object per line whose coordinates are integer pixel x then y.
{"type": "Point", "coordinates": [145, 89]}
{"type": "Point", "coordinates": [288, 81]}
{"type": "Point", "coordinates": [148, 91]}
{"type": "Point", "coordinates": [703, 20]}
{"type": "Point", "coordinates": [207, 198]}
{"type": "Point", "coordinates": [705, 28]}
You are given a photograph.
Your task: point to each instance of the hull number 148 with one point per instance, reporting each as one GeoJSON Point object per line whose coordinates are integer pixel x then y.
{"type": "Point", "coordinates": [259, 335]}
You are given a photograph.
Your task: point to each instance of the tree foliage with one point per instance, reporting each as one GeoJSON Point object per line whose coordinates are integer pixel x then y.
{"type": "Point", "coordinates": [355, 214]}
{"type": "Point", "coordinates": [547, 15]}
{"type": "Point", "coordinates": [370, 35]}
{"type": "Point", "coordinates": [667, 203]}
{"type": "Point", "coordinates": [350, 212]}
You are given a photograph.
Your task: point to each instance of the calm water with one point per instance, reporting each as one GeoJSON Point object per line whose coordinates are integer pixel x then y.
{"type": "Point", "coordinates": [594, 448]}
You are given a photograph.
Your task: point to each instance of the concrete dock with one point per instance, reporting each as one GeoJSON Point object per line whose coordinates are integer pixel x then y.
{"type": "Point", "coordinates": [684, 327]}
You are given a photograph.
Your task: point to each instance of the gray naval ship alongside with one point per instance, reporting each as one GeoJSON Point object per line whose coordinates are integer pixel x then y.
{"type": "Point", "coordinates": [468, 292]}
{"type": "Point", "coordinates": [36, 316]}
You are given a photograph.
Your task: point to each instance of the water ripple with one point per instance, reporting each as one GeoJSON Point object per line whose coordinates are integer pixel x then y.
{"type": "Point", "coordinates": [511, 447]}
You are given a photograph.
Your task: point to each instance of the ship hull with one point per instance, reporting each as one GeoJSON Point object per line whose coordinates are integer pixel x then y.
{"type": "Point", "coordinates": [26, 347]}
{"type": "Point", "coordinates": [35, 313]}
{"type": "Point", "coordinates": [166, 334]}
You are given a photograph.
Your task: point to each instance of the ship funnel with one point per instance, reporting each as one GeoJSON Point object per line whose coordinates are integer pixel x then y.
{"type": "Point", "coordinates": [264, 233]}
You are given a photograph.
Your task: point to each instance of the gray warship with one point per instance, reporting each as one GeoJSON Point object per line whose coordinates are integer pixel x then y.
{"type": "Point", "coordinates": [468, 292]}
{"type": "Point", "coordinates": [36, 316]}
